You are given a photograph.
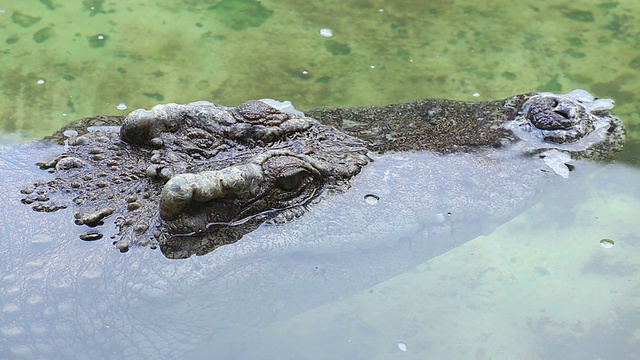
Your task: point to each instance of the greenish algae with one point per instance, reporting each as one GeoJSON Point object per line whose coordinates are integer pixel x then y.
{"type": "Point", "coordinates": [575, 42]}
{"type": "Point", "coordinates": [94, 6]}
{"type": "Point", "coordinates": [43, 35]}
{"type": "Point", "coordinates": [97, 41]}
{"type": "Point", "coordinates": [241, 14]}
{"type": "Point", "coordinates": [49, 4]}
{"type": "Point", "coordinates": [24, 20]}
{"type": "Point", "coordinates": [580, 15]}
{"type": "Point", "coordinates": [337, 48]}
{"type": "Point", "coordinates": [509, 76]}
{"type": "Point", "coordinates": [552, 85]}
{"type": "Point", "coordinates": [154, 96]}
{"type": "Point", "coordinates": [575, 54]}
{"type": "Point", "coordinates": [11, 40]}
{"type": "Point", "coordinates": [608, 5]}
{"type": "Point", "coordinates": [405, 50]}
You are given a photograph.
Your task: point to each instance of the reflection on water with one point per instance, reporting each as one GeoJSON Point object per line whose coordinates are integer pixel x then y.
{"type": "Point", "coordinates": [349, 279]}
{"type": "Point", "coordinates": [540, 287]}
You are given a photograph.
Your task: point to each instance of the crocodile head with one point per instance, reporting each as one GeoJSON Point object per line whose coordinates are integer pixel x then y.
{"type": "Point", "coordinates": [193, 177]}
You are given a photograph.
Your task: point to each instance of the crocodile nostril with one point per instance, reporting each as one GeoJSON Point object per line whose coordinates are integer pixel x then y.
{"type": "Point", "coordinates": [564, 113]}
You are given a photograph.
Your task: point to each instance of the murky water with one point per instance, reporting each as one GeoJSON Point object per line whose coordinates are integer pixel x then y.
{"type": "Point", "coordinates": [539, 287]}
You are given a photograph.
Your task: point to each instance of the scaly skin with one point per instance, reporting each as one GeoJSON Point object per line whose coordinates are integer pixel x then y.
{"type": "Point", "coordinates": [194, 165]}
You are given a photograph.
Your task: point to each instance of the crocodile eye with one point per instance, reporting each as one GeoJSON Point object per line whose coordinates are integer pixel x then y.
{"type": "Point", "coordinates": [291, 182]}
{"type": "Point", "coordinates": [290, 179]}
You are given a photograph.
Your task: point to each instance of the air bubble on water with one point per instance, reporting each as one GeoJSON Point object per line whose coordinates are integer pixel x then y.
{"type": "Point", "coordinates": [371, 199]}
{"type": "Point", "coordinates": [326, 33]}
{"type": "Point", "coordinates": [606, 243]}
{"type": "Point", "coordinates": [402, 346]}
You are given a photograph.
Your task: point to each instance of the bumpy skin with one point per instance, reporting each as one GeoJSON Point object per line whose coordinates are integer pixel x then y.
{"type": "Point", "coordinates": [200, 167]}
{"type": "Point", "coordinates": [66, 298]}
{"type": "Point", "coordinates": [574, 122]}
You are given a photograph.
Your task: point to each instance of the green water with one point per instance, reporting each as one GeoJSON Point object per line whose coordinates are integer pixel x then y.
{"type": "Point", "coordinates": [93, 55]}
{"type": "Point", "coordinates": [63, 60]}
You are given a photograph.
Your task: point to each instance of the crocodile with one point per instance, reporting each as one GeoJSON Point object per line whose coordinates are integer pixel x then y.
{"type": "Point", "coordinates": [191, 177]}
{"type": "Point", "coordinates": [274, 192]}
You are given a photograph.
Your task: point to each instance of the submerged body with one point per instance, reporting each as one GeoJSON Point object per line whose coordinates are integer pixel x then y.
{"type": "Point", "coordinates": [463, 172]}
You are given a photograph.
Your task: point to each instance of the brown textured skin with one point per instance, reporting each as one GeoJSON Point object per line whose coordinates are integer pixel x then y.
{"type": "Point", "coordinates": [447, 126]}
{"type": "Point", "coordinates": [430, 124]}
{"type": "Point", "coordinates": [113, 183]}
{"type": "Point", "coordinates": [117, 176]}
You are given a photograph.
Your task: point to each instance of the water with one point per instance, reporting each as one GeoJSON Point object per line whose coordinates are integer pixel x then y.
{"type": "Point", "coordinates": [539, 287]}
{"type": "Point", "coordinates": [98, 54]}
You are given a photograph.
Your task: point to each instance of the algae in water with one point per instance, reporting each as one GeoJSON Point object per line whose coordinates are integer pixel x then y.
{"type": "Point", "coordinates": [24, 20]}
{"type": "Point", "coordinates": [241, 14]}
{"type": "Point", "coordinates": [43, 35]}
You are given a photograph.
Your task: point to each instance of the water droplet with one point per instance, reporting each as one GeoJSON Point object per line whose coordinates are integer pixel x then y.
{"type": "Point", "coordinates": [121, 106]}
{"type": "Point", "coordinates": [402, 346]}
{"type": "Point", "coordinates": [606, 243]}
{"type": "Point", "coordinates": [371, 199]}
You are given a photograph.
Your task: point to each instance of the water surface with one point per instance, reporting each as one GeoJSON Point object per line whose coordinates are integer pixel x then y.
{"type": "Point", "coordinates": [539, 287]}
